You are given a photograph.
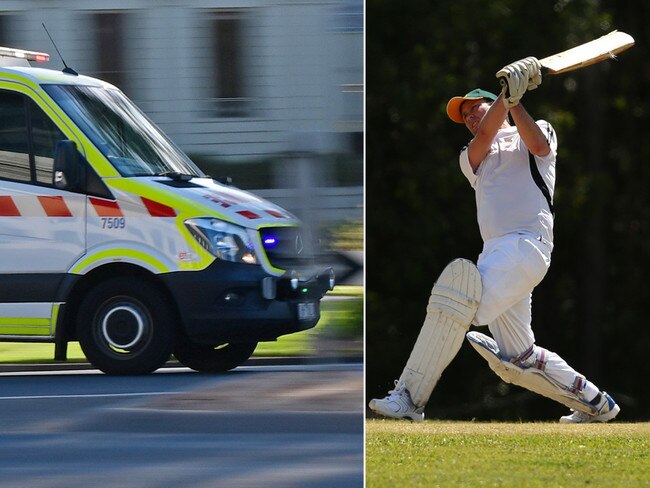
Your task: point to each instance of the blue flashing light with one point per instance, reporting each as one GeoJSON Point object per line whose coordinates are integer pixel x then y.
{"type": "Point", "coordinates": [270, 241]}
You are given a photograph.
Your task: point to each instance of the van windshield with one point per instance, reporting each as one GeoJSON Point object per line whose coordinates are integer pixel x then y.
{"type": "Point", "coordinates": [117, 127]}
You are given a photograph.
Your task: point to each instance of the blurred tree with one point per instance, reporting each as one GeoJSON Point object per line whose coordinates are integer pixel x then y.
{"type": "Point", "coordinates": [591, 307]}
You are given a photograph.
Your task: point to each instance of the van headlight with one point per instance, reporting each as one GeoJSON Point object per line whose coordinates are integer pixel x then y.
{"type": "Point", "coordinates": [226, 241]}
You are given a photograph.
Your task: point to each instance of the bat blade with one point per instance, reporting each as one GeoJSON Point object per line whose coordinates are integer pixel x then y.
{"type": "Point", "coordinates": [605, 47]}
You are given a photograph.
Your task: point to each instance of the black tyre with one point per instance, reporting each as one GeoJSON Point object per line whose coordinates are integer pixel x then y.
{"type": "Point", "coordinates": [124, 326]}
{"type": "Point", "coordinates": [211, 359]}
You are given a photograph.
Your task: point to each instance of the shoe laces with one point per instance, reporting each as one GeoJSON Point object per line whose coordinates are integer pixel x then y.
{"type": "Point", "coordinates": [398, 391]}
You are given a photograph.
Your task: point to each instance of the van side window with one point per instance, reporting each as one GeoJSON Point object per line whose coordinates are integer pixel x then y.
{"type": "Point", "coordinates": [14, 145]}
{"type": "Point", "coordinates": [27, 140]}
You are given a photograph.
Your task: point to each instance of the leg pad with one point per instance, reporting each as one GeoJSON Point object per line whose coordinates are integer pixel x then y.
{"type": "Point", "coordinates": [532, 378]}
{"type": "Point", "coordinates": [455, 297]}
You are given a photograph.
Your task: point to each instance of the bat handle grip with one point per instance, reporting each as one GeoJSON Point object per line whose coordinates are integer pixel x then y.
{"type": "Point", "coordinates": [503, 81]}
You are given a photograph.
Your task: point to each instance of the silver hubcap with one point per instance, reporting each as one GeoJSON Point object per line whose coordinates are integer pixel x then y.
{"type": "Point", "coordinates": [123, 327]}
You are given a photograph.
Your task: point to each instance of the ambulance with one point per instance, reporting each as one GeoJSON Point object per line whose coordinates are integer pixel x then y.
{"type": "Point", "coordinates": [111, 236]}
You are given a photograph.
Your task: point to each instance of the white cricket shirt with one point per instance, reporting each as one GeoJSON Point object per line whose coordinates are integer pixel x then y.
{"type": "Point", "coordinates": [507, 199]}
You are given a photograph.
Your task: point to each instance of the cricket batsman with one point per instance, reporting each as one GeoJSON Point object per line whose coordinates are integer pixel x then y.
{"type": "Point", "coordinates": [512, 171]}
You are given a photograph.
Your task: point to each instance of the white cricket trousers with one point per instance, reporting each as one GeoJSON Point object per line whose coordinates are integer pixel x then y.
{"type": "Point", "coordinates": [511, 267]}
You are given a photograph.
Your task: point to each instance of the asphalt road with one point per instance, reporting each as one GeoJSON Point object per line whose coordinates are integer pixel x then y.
{"type": "Point", "coordinates": [284, 426]}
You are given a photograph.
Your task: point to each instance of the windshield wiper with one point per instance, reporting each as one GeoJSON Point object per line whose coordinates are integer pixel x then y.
{"type": "Point", "coordinates": [176, 176]}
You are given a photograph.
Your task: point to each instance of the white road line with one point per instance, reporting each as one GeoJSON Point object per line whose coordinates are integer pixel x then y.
{"type": "Point", "coordinates": [91, 395]}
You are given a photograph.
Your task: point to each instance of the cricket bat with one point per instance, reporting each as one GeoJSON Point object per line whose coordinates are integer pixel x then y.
{"type": "Point", "coordinates": [592, 52]}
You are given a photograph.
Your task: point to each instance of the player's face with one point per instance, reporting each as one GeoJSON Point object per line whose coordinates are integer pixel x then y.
{"type": "Point", "coordinates": [473, 111]}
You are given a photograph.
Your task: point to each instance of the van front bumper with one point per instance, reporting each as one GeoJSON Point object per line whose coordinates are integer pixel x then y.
{"type": "Point", "coordinates": [232, 302]}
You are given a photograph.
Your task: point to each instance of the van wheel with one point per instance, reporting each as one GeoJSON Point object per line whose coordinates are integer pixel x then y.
{"type": "Point", "coordinates": [125, 327]}
{"type": "Point", "coordinates": [213, 359]}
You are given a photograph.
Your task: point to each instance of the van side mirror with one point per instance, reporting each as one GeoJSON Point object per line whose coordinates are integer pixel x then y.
{"type": "Point", "coordinates": [69, 172]}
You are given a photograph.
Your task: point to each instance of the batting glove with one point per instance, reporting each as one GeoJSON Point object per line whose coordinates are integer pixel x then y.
{"type": "Point", "coordinates": [518, 77]}
{"type": "Point", "coordinates": [514, 79]}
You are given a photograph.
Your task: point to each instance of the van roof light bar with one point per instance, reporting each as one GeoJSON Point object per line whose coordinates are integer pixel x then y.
{"type": "Point", "coordinates": [21, 54]}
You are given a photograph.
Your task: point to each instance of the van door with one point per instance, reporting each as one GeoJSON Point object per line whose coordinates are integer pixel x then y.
{"type": "Point", "coordinates": [42, 228]}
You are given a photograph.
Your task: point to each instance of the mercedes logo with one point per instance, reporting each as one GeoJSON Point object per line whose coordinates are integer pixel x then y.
{"type": "Point", "coordinates": [299, 244]}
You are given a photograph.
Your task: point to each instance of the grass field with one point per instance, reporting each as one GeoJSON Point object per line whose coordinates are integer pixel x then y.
{"type": "Point", "coordinates": [15, 352]}
{"type": "Point", "coordinates": [469, 454]}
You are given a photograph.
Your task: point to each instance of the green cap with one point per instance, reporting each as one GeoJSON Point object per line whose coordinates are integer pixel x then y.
{"type": "Point", "coordinates": [453, 107]}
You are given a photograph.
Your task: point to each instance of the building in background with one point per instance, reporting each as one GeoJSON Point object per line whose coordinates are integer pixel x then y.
{"type": "Point", "coordinates": [231, 83]}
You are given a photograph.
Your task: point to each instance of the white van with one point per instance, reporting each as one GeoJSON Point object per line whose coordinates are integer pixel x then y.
{"type": "Point", "coordinates": [111, 236]}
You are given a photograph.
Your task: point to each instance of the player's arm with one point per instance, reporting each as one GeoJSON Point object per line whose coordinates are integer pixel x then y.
{"type": "Point", "coordinates": [529, 131]}
{"type": "Point", "coordinates": [479, 147]}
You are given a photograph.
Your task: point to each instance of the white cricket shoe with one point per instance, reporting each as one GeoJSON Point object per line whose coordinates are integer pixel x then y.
{"type": "Point", "coordinates": [398, 405]}
{"type": "Point", "coordinates": [607, 410]}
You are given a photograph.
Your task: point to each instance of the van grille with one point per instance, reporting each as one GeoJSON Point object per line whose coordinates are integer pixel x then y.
{"type": "Point", "coordinates": [286, 247]}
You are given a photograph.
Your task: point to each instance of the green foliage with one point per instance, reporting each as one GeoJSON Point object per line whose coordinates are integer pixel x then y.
{"type": "Point", "coordinates": [446, 454]}
{"type": "Point", "coordinates": [345, 235]}
{"type": "Point", "coordinates": [421, 211]}
{"type": "Point", "coordinates": [343, 313]}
